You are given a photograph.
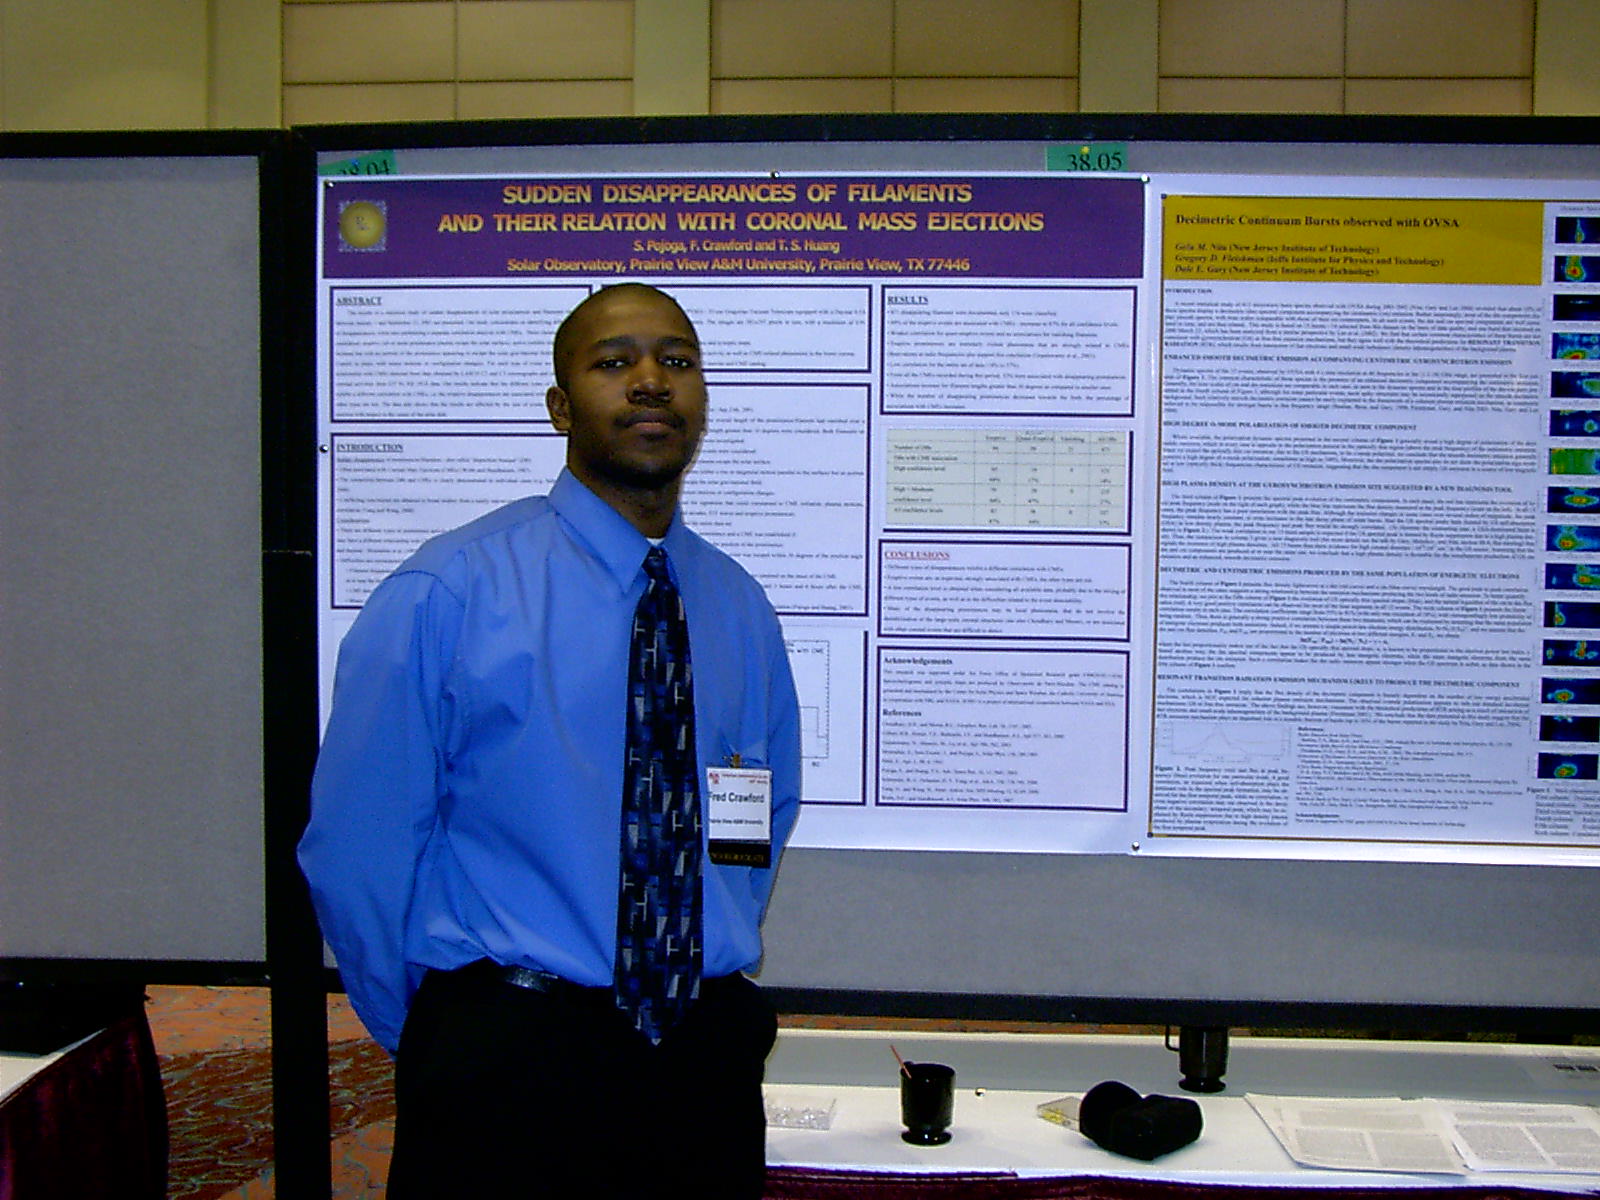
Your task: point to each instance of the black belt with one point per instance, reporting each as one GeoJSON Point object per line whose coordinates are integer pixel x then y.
{"type": "Point", "coordinates": [554, 985]}
{"type": "Point", "coordinates": [533, 981]}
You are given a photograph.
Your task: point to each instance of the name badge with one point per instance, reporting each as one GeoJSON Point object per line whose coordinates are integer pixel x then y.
{"type": "Point", "coordinates": [738, 814]}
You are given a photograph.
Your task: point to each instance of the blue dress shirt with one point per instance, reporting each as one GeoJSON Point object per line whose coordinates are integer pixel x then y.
{"type": "Point", "coordinates": [467, 799]}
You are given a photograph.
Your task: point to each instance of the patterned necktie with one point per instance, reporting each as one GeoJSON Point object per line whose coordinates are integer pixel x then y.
{"type": "Point", "coordinates": [658, 913]}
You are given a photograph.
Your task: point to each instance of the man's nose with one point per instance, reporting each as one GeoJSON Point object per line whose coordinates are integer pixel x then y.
{"type": "Point", "coordinates": [648, 383]}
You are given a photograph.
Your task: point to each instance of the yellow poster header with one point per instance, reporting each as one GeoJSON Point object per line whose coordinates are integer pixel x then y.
{"type": "Point", "coordinates": [1352, 240]}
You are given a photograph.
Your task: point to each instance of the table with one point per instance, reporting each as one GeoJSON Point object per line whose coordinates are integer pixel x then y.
{"type": "Point", "coordinates": [86, 1120]}
{"type": "Point", "coordinates": [1000, 1079]}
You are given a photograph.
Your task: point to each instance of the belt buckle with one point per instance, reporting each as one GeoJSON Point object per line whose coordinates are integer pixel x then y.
{"type": "Point", "coordinates": [527, 977]}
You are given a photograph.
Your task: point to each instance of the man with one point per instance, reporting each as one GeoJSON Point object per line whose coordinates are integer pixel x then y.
{"type": "Point", "coordinates": [470, 834]}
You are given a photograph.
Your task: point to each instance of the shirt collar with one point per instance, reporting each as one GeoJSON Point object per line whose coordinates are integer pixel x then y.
{"type": "Point", "coordinates": [607, 533]}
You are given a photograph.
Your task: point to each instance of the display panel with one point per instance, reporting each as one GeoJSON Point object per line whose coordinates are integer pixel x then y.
{"type": "Point", "coordinates": [131, 794]}
{"type": "Point", "coordinates": [997, 782]}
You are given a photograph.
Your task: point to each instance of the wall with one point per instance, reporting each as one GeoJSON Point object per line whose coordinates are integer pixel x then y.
{"type": "Point", "coordinates": [126, 64]}
{"type": "Point", "coordinates": [138, 64]}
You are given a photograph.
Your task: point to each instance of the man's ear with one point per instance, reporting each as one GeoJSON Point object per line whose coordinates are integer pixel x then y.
{"type": "Point", "coordinates": [560, 409]}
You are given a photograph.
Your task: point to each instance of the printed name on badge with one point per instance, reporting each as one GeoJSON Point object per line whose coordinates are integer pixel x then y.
{"type": "Point", "coordinates": [739, 815]}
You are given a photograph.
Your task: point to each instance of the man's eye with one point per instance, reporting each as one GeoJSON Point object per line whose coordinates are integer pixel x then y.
{"type": "Point", "coordinates": [679, 362]}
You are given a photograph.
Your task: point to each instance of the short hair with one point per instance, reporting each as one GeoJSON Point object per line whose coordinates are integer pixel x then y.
{"type": "Point", "coordinates": [559, 348]}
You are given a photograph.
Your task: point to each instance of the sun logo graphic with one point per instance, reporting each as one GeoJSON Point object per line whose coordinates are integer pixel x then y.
{"type": "Point", "coordinates": [363, 225]}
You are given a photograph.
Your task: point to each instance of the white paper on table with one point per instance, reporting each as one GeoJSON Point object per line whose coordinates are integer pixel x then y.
{"type": "Point", "coordinates": [1525, 1137]}
{"type": "Point", "coordinates": [1361, 1135]}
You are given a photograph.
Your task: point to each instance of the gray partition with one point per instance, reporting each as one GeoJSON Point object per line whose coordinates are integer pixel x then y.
{"type": "Point", "coordinates": [130, 554]}
{"type": "Point", "coordinates": [1138, 939]}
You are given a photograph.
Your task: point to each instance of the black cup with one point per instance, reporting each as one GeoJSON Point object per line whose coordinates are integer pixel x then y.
{"type": "Point", "coordinates": [927, 1101]}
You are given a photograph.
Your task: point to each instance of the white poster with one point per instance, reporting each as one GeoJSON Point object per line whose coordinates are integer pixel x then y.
{"type": "Point", "coordinates": [1185, 515]}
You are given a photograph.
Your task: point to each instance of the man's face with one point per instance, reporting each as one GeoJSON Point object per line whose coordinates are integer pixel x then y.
{"type": "Point", "coordinates": [633, 406]}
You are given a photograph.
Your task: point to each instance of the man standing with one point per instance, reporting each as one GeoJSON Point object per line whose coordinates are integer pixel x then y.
{"type": "Point", "coordinates": [562, 761]}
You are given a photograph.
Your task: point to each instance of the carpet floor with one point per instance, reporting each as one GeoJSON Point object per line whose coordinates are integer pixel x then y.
{"type": "Point", "coordinates": [215, 1050]}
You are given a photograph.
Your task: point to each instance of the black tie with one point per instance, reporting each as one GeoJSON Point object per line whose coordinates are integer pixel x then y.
{"type": "Point", "coordinates": [658, 914]}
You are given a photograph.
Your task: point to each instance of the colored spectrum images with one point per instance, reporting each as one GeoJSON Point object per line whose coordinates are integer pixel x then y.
{"type": "Point", "coordinates": [1575, 423]}
{"type": "Point", "coordinates": [1577, 268]}
{"type": "Point", "coordinates": [1572, 539]}
{"type": "Point", "coordinates": [1576, 689]}
{"type": "Point", "coordinates": [1570, 734]}
{"type": "Point", "coordinates": [1576, 306]}
{"type": "Point", "coordinates": [1574, 460]}
{"type": "Point", "coordinates": [1573, 231]}
{"type": "Point", "coordinates": [1567, 614]}
{"type": "Point", "coordinates": [1559, 653]}
{"type": "Point", "coordinates": [1569, 766]}
{"type": "Point", "coordinates": [1561, 727]}
{"type": "Point", "coordinates": [1572, 499]}
{"type": "Point", "coordinates": [1577, 385]}
{"type": "Point", "coordinates": [1571, 577]}
{"type": "Point", "coordinates": [1575, 345]}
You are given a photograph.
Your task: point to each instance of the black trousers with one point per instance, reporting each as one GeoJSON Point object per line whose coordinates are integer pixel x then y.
{"type": "Point", "coordinates": [507, 1092]}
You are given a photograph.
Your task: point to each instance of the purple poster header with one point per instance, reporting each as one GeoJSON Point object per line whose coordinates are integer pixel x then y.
{"type": "Point", "coordinates": [1029, 227]}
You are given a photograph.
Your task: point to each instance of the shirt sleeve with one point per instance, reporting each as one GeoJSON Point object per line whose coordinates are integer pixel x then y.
{"type": "Point", "coordinates": [376, 787]}
{"type": "Point", "coordinates": [783, 747]}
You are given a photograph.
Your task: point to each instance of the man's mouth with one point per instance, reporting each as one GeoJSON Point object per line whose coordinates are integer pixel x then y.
{"type": "Point", "coordinates": [653, 418]}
